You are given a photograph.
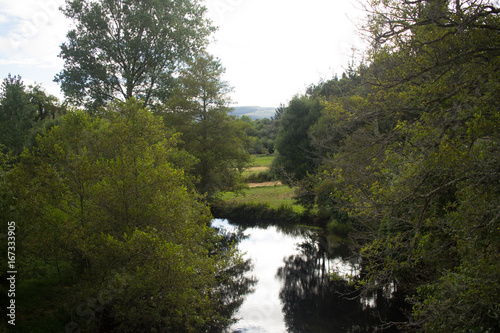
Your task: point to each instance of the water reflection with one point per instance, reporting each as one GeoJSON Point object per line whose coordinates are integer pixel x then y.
{"type": "Point", "coordinates": [235, 284]}
{"type": "Point", "coordinates": [295, 291]}
{"type": "Point", "coordinates": [266, 247]}
{"type": "Point", "coordinates": [314, 302]}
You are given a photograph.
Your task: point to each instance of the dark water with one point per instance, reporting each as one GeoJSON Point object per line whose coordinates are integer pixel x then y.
{"type": "Point", "coordinates": [303, 284]}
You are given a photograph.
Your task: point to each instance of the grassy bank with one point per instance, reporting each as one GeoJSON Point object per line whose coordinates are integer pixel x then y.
{"type": "Point", "coordinates": [272, 196]}
{"type": "Point", "coordinates": [260, 169]}
{"type": "Point", "coordinates": [264, 200]}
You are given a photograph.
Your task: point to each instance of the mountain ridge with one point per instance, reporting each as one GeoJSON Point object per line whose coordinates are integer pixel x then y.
{"type": "Point", "coordinates": [254, 112]}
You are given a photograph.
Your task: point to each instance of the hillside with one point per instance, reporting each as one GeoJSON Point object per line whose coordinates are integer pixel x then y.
{"type": "Point", "coordinates": [254, 112]}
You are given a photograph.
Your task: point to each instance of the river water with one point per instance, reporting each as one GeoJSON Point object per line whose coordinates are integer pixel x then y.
{"type": "Point", "coordinates": [302, 283]}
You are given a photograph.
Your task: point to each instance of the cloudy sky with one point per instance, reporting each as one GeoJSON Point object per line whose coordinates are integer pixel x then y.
{"type": "Point", "coordinates": [272, 49]}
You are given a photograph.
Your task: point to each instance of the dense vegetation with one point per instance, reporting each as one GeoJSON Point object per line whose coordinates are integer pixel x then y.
{"type": "Point", "coordinates": [402, 152]}
{"type": "Point", "coordinates": [111, 201]}
{"type": "Point", "coordinates": [406, 153]}
{"type": "Point", "coordinates": [262, 133]}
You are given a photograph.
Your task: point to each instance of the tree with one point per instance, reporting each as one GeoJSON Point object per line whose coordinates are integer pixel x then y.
{"type": "Point", "coordinates": [23, 112]}
{"type": "Point", "coordinates": [296, 155]}
{"type": "Point", "coordinates": [105, 195]}
{"type": "Point", "coordinates": [200, 111]}
{"type": "Point", "coordinates": [413, 159]}
{"type": "Point", "coordinates": [17, 114]}
{"type": "Point", "coordinates": [262, 133]}
{"type": "Point", "coordinates": [47, 106]}
{"type": "Point", "coordinates": [123, 49]}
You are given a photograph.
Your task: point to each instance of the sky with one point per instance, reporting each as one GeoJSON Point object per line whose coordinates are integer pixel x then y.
{"type": "Point", "coordinates": [271, 49]}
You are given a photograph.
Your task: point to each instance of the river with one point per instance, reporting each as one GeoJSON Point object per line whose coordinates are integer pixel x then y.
{"type": "Point", "coordinates": [302, 277]}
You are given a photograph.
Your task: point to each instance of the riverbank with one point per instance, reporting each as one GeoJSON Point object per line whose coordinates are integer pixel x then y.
{"type": "Point", "coordinates": [265, 200]}
{"type": "Point", "coordinates": [264, 212]}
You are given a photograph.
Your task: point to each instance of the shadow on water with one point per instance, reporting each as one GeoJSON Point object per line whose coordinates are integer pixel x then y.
{"type": "Point", "coordinates": [316, 279]}
{"type": "Point", "coordinates": [318, 295]}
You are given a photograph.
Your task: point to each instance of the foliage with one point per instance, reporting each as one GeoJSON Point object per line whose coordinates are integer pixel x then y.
{"type": "Point", "coordinates": [262, 133]}
{"type": "Point", "coordinates": [23, 111]}
{"type": "Point", "coordinates": [296, 154]}
{"type": "Point", "coordinates": [251, 176]}
{"type": "Point", "coordinates": [199, 109]}
{"type": "Point", "coordinates": [17, 115]}
{"type": "Point", "coordinates": [106, 195]}
{"type": "Point", "coordinates": [410, 152]}
{"type": "Point", "coordinates": [47, 106]}
{"type": "Point", "coordinates": [123, 49]}
{"type": "Point", "coordinates": [260, 211]}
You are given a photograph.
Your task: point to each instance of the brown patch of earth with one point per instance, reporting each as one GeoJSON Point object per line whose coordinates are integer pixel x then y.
{"type": "Point", "coordinates": [264, 184]}
{"type": "Point", "coordinates": [257, 169]}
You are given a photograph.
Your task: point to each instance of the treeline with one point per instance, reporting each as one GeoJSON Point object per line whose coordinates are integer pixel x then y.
{"type": "Point", "coordinates": [110, 189]}
{"type": "Point", "coordinates": [262, 133]}
{"type": "Point", "coordinates": [404, 151]}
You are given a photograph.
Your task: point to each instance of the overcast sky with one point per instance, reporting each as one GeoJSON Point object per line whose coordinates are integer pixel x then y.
{"type": "Point", "coordinates": [272, 49]}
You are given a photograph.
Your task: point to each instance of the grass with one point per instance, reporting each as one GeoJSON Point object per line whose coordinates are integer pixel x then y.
{"type": "Point", "coordinates": [272, 196]}
{"type": "Point", "coordinates": [262, 160]}
{"type": "Point", "coordinates": [266, 201]}
{"type": "Point", "coordinates": [252, 171]}
{"type": "Point", "coordinates": [259, 171]}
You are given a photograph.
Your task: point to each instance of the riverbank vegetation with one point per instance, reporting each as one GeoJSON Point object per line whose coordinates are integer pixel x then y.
{"type": "Point", "coordinates": [264, 199]}
{"type": "Point", "coordinates": [405, 145]}
{"type": "Point", "coordinates": [111, 190]}
{"type": "Point", "coordinates": [111, 201]}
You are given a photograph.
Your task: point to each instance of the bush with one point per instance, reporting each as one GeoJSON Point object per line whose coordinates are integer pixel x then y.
{"type": "Point", "coordinates": [263, 176]}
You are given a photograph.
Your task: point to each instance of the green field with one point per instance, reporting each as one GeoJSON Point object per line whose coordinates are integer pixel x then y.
{"type": "Point", "coordinates": [259, 169]}
{"type": "Point", "coordinates": [262, 160]}
{"type": "Point", "coordinates": [273, 196]}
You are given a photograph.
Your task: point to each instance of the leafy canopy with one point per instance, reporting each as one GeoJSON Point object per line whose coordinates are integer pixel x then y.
{"type": "Point", "coordinates": [122, 49]}
{"type": "Point", "coordinates": [108, 195]}
{"type": "Point", "coordinates": [199, 109]}
{"type": "Point", "coordinates": [411, 153]}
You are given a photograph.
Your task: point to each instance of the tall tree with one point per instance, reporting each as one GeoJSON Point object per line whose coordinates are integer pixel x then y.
{"type": "Point", "coordinates": [17, 114]}
{"type": "Point", "coordinates": [200, 111]}
{"type": "Point", "coordinates": [125, 48]}
{"type": "Point", "coordinates": [296, 154]}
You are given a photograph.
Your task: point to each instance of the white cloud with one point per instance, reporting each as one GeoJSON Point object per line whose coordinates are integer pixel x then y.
{"type": "Point", "coordinates": [35, 31]}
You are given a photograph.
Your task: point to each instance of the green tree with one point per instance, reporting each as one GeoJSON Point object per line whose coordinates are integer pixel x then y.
{"type": "Point", "coordinates": [47, 106]}
{"type": "Point", "coordinates": [413, 160]}
{"type": "Point", "coordinates": [296, 154]}
{"type": "Point", "coordinates": [23, 112]}
{"type": "Point", "coordinates": [262, 133]}
{"type": "Point", "coordinates": [7, 201]}
{"type": "Point", "coordinates": [105, 194]}
{"type": "Point", "coordinates": [200, 111]}
{"type": "Point", "coordinates": [122, 49]}
{"type": "Point", "coordinates": [17, 114]}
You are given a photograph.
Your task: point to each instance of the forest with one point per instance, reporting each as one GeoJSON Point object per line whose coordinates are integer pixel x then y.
{"type": "Point", "coordinates": [111, 189]}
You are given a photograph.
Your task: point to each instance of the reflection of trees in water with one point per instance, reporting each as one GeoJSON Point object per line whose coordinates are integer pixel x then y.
{"type": "Point", "coordinates": [234, 284]}
{"type": "Point", "coordinates": [282, 226]}
{"type": "Point", "coordinates": [313, 302]}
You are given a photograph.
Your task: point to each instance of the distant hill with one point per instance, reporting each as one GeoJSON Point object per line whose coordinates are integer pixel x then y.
{"type": "Point", "coordinates": [254, 112]}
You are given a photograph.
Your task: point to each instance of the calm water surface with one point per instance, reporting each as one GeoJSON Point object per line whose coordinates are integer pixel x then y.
{"type": "Point", "coordinates": [295, 291]}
